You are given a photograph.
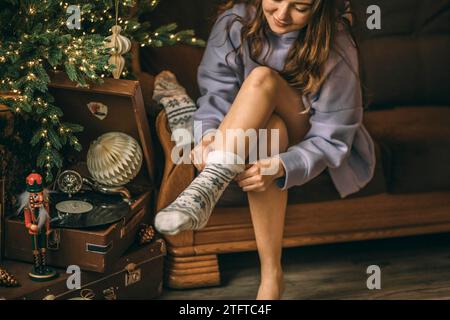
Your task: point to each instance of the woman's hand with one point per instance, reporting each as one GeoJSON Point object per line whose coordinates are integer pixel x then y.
{"type": "Point", "coordinates": [200, 152]}
{"type": "Point", "coordinates": [260, 175]}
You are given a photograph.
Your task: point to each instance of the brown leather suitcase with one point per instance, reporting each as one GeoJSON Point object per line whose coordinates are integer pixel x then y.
{"type": "Point", "coordinates": [6, 125]}
{"type": "Point", "coordinates": [95, 249]}
{"type": "Point", "coordinates": [2, 217]}
{"type": "Point", "coordinates": [6, 128]}
{"type": "Point", "coordinates": [6, 118]}
{"type": "Point", "coordinates": [91, 249]}
{"type": "Point", "coordinates": [138, 274]}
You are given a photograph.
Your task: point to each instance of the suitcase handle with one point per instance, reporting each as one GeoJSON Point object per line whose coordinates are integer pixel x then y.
{"type": "Point", "coordinates": [133, 275]}
{"type": "Point", "coordinates": [130, 267]}
{"type": "Point", "coordinates": [126, 229]}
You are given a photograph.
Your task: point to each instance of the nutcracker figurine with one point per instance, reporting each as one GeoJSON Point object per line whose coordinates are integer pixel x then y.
{"type": "Point", "coordinates": [34, 202]}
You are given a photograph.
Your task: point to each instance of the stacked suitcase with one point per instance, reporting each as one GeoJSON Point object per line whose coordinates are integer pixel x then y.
{"type": "Point", "coordinates": [110, 263]}
{"type": "Point", "coordinates": [136, 275]}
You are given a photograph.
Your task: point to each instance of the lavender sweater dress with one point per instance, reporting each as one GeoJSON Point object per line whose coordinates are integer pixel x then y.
{"type": "Point", "coordinates": [337, 140]}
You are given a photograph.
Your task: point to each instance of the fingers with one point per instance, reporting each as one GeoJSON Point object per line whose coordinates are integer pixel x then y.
{"type": "Point", "coordinates": [258, 187]}
{"type": "Point", "coordinates": [251, 171]}
{"type": "Point", "coordinates": [198, 156]}
{"type": "Point", "coordinates": [255, 184]}
{"type": "Point", "coordinates": [250, 181]}
{"type": "Point", "coordinates": [198, 166]}
{"type": "Point", "coordinates": [194, 161]}
{"type": "Point", "coordinates": [208, 138]}
{"type": "Point", "coordinates": [253, 179]}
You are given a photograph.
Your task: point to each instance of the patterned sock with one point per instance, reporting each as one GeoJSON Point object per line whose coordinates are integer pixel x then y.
{"type": "Point", "coordinates": [193, 207]}
{"type": "Point", "coordinates": [178, 106]}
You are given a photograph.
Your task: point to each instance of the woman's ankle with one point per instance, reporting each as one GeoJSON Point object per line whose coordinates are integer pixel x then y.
{"type": "Point", "coordinates": [271, 287]}
{"type": "Point", "coordinates": [271, 271]}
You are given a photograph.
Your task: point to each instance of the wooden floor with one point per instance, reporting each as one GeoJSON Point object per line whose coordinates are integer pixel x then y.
{"type": "Point", "coordinates": [411, 268]}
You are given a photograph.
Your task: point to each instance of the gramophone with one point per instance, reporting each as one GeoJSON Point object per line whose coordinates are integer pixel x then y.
{"type": "Point", "coordinates": [113, 160]}
{"type": "Point", "coordinates": [85, 203]}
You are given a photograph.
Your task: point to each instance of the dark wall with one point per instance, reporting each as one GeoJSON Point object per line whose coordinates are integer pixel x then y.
{"type": "Point", "coordinates": [188, 14]}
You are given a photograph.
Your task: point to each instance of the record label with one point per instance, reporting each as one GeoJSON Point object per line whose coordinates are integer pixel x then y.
{"type": "Point", "coordinates": [74, 206]}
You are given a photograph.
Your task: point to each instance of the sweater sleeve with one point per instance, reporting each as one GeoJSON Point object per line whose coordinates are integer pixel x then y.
{"type": "Point", "coordinates": [218, 81]}
{"type": "Point", "coordinates": [336, 116]}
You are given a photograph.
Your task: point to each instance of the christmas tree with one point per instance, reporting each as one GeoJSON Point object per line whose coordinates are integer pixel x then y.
{"type": "Point", "coordinates": [41, 36]}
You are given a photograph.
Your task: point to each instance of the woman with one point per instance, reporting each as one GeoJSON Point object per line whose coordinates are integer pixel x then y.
{"type": "Point", "coordinates": [284, 65]}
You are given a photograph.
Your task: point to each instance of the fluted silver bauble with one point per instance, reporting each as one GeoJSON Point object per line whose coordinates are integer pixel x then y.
{"type": "Point", "coordinates": [114, 159]}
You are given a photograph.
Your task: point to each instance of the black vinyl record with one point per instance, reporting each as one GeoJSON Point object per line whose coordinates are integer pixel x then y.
{"type": "Point", "coordinates": [106, 209]}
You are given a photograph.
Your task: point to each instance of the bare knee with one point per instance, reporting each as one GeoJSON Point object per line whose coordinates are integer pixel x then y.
{"type": "Point", "coordinates": [262, 78]}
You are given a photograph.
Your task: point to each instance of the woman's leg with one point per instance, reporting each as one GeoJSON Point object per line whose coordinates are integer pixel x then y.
{"type": "Point", "coordinates": [268, 210]}
{"type": "Point", "coordinates": [267, 101]}
{"type": "Point", "coordinates": [263, 93]}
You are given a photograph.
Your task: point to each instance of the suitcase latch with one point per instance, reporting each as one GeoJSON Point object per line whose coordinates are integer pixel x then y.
{"type": "Point", "coordinates": [132, 275]}
{"type": "Point", "coordinates": [54, 239]}
{"type": "Point", "coordinates": [110, 294]}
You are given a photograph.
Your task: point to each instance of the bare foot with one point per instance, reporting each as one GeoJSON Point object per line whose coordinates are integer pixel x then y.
{"type": "Point", "coordinates": [271, 288]}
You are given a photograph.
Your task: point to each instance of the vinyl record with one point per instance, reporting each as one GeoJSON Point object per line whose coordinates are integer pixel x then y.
{"type": "Point", "coordinates": [91, 209]}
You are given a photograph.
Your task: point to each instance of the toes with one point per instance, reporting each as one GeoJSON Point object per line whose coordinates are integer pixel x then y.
{"type": "Point", "coordinates": [171, 223]}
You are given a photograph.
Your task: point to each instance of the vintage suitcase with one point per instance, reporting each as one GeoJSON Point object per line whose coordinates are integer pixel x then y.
{"type": "Point", "coordinates": [6, 128]}
{"type": "Point", "coordinates": [95, 249]}
{"type": "Point", "coordinates": [91, 249]}
{"type": "Point", "coordinates": [2, 217]}
{"type": "Point", "coordinates": [7, 119]}
{"type": "Point", "coordinates": [138, 274]}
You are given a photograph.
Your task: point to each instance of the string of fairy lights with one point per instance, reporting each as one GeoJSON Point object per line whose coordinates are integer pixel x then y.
{"type": "Point", "coordinates": [26, 57]}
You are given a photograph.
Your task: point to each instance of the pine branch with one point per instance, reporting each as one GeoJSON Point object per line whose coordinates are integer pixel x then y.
{"type": "Point", "coordinates": [35, 41]}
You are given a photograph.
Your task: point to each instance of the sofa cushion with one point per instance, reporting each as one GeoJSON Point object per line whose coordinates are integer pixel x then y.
{"type": "Point", "coordinates": [417, 141]}
{"type": "Point", "coordinates": [181, 59]}
{"type": "Point", "coordinates": [405, 70]}
{"type": "Point", "coordinates": [406, 61]}
{"type": "Point", "coordinates": [321, 188]}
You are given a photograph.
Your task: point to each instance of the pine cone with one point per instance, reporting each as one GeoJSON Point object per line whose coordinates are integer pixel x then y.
{"type": "Point", "coordinates": [7, 279]}
{"type": "Point", "coordinates": [146, 234]}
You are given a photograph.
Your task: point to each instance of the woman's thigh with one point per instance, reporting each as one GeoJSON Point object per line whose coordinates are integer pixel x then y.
{"type": "Point", "coordinates": [288, 105]}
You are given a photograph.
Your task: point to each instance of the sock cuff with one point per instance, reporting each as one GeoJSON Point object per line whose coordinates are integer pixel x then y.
{"type": "Point", "coordinates": [224, 157]}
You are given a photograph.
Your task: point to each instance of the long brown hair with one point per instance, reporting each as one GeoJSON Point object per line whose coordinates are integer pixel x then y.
{"type": "Point", "coordinates": [304, 66]}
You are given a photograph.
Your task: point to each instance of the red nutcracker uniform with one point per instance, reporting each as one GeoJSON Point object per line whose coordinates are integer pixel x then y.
{"type": "Point", "coordinates": [37, 221]}
{"type": "Point", "coordinates": [30, 215]}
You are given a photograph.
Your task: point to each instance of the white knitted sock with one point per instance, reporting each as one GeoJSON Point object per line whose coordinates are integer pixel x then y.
{"type": "Point", "coordinates": [193, 207]}
{"type": "Point", "coordinates": [178, 106]}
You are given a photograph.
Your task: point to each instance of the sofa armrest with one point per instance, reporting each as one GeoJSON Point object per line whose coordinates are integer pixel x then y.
{"type": "Point", "coordinates": [147, 84]}
{"type": "Point", "coordinates": [175, 177]}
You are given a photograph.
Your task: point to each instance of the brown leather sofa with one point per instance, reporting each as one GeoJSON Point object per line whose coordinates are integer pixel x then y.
{"type": "Point", "coordinates": [405, 73]}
